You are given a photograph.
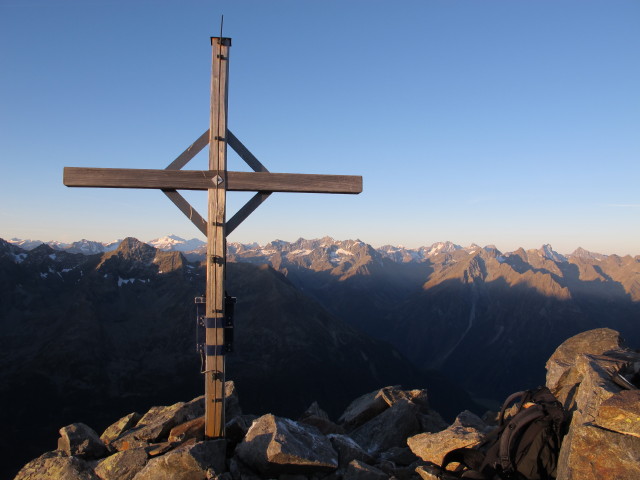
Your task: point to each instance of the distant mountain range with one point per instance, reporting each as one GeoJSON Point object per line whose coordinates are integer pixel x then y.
{"type": "Point", "coordinates": [195, 246]}
{"type": "Point", "coordinates": [89, 247]}
{"type": "Point", "coordinates": [115, 328]}
{"type": "Point", "coordinates": [486, 318]}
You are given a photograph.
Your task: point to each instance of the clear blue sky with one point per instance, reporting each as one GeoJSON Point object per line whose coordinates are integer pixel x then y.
{"type": "Point", "coordinates": [514, 123]}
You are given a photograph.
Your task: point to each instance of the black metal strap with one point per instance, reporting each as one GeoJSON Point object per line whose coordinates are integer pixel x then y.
{"type": "Point", "coordinates": [215, 350]}
{"type": "Point", "coordinates": [215, 322]}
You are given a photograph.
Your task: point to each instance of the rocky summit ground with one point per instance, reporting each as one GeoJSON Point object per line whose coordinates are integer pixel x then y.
{"type": "Point", "coordinates": [389, 433]}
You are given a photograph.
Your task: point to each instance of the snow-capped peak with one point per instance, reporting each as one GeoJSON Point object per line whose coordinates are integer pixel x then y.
{"type": "Point", "coordinates": [583, 254]}
{"type": "Point", "coordinates": [547, 252]}
{"type": "Point", "coordinates": [442, 247]}
{"type": "Point", "coordinates": [174, 242]}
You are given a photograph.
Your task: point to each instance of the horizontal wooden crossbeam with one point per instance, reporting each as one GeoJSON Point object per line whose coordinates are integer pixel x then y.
{"type": "Point", "coordinates": [205, 179]}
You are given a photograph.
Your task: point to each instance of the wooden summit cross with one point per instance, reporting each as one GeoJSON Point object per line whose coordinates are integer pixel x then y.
{"type": "Point", "coordinates": [217, 181]}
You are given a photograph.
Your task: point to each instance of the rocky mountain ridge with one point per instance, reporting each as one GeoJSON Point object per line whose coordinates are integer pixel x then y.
{"type": "Point", "coordinates": [389, 433]}
{"type": "Point", "coordinates": [479, 315]}
{"type": "Point", "coordinates": [198, 247]}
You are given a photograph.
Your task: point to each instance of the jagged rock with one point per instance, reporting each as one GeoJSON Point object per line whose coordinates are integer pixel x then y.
{"type": "Point", "coordinates": [562, 376]}
{"type": "Point", "coordinates": [388, 429]}
{"type": "Point", "coordinates": [156, 424]}
{"type": "Point", "coordinates": [118, 428]}
{"type": "Point", "coordinates": [431, 422]}
{"type": "Point", "coordinates": [231, 401]}
{"type": "Point", "coordinates": [593, 453]}
{"type": "Point", "coordinates": [314, 410]}
{"type": "Point", "coordinates": [237, 428]}
{"type": "Point", "coordinates": [279, 445]}
{"type": "Point", "coordinates": [191, 429]}
{"type": "Point", "coordinates": [81, 440]}
{"type": "Point", "coordinates": [364, 408]}
{"type": "Point", "coordinates": [240, 471]}
{"type": "Point", "coordinates": [357, 470]}
{"type": "Point", "coordinates": [406, 472]}
{"type": "Point", "coordinates": [325, 427]}
{"type": "Point", "coordinates": [318, 418]}
{"type": "Point", "coordinates": [157, 449]}
{"type": "Point", "coordinates": [417, 396]}
{"type": "Point", "coordinates": [588, 450]}
{"type": "Point", "coordinates": [122, 465]}
{"type": "Point", "coordinates": [425, 474]}
{"type": "Point", "coordinates": [621, 413]}
{"type": "Point", "coordinates": [198, 461]}
{"type": "Point", "coordinates": [399, 456]}
{"type": "Point", "coordinates": [467, 430]}
{"type": "Point", "coordinates": [591, 450]}
{"type": "Point", "coordinates": [367, 406]}
{"type": "Point", "coordinates": [348, 450]}
{"type": "Point", "coordinates": [56, 466]}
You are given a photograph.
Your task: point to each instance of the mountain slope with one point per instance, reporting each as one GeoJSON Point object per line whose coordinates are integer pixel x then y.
{"type": "Point", "coordinates": [481, 316]}
{"type": "Point", "coordinates": [91, 338]}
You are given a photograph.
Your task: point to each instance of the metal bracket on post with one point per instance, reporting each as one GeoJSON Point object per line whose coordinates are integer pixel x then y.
{"type": "Point", "coordinates": [229, 308]}
{"type": "Point", "coordinates": [203, 322]}
{"type": "Point", "coordinates": [200, 328]}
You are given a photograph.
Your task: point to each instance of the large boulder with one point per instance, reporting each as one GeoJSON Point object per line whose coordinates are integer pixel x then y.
{"type": "Point", "coordinates": [602, 439]}
{"type": "Point", "coordinates": [156, 424]}
{"type": "Point", "coordinates": [232, 407]}
{"type": "Point", "coordinates": [388, 429]}
{"type": "Point", "coordinates": [194, 461]}
{"type": "Point", "coordinates": [364, 408]}
{"type": "Point", "coordinates": [116, 429]}
{"type": "Point", "coordinates": [467, 430]}
{"type": "Point", "coordinates": [621, 413]}
{"type": "Point", "coordinates": [372, 404]}
{"type": "Point", "coordinates": [562, 376]}
{"type": "Point", "coordinates": [357, 470]}
{"type": "Point", "coordinates": [348, 450]}
{"type": "Point", "coordinates": [122, 465]}
{"type": "Point", "coordinates": [318, 418]}
{"type": "Point", "coordinates": [81, 440]}
{"type": "Point", "coordinates": [275, 445]}
{"type": "Point", "coordinates": [56, 466]}
{"type": "Point", "coordinates": [191, 429]}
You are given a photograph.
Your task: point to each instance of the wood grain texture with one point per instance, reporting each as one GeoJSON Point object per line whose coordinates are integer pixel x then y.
{"type": "Point", "coordinates": [244, 153]}
{"type": "Point", "coordinates": [248, 208]}
{"type": "Point", "coordinates": [204, 179]}
{"type": "Point", "coordinates": [216, 239]}
{"type": "Point", "coordinates": [191, 151]}
{"type": "Point", "coordinates": [186, 208]}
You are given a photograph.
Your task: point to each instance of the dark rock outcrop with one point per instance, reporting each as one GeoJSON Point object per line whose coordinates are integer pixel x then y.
{"type": "Point", "coordinates": [192, 461]}
{"type": "Point", "coordinates": [122, 465]}
{"type": "Point", "coordinates": [82, 441]}
{"type": "Point", "coordinates": [467, 430]}
{"type": "Point", "coordinates": [54, 466]}
{"type": "Point", "coordinates": [388, 429]}
{"type": "Point", "coordinates": [563, 377]}
{"type": "Point", "coordinates": [388, 437]}
{"type": "Point", "coordinates": [602, 441]}
{"type": "Point", "coordinates": [280, 445]}
{"type": "Point", "coordinates": [118, 428]}
{"type": "Point", "coordinates": [157, 424]}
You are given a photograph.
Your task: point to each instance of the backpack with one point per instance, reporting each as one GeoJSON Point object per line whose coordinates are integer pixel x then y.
{"type": "Point", "coordinates": [525, 446]}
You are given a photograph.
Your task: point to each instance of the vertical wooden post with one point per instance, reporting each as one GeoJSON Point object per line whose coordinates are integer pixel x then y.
{"type": "Point", "coordinates": [216, 245]}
